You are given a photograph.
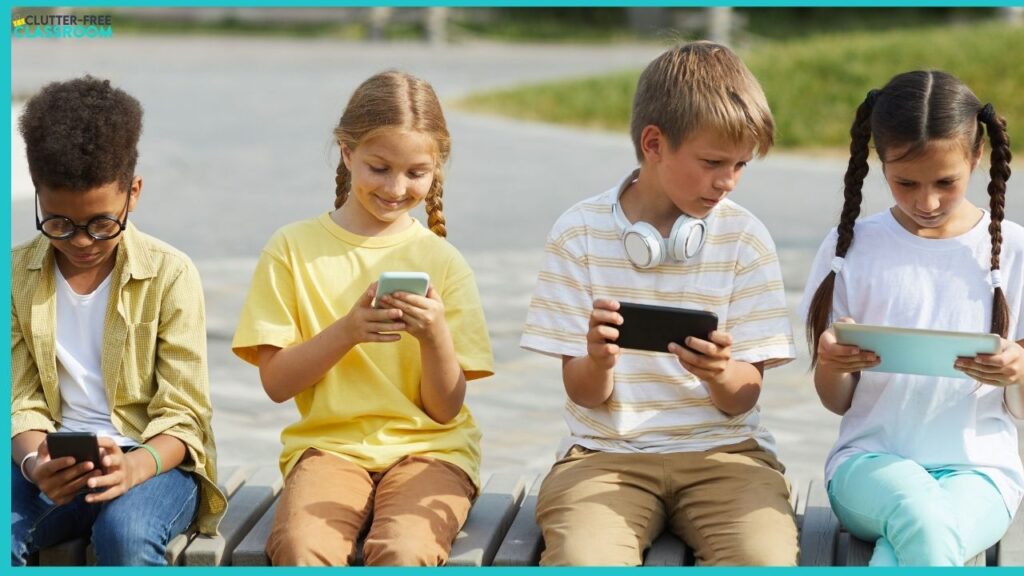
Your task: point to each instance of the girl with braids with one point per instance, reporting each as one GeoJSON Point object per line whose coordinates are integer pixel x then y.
{"type": "Point", "coordinates": [925, 467]}
{"type": "Point", "coordinates": [384, 445]}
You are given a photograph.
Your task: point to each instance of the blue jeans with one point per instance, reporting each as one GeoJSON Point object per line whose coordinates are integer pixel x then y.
{"type": "Point", "coordinates": [916, 516]}
{"type": "Point", "coordinates": [130, 530]}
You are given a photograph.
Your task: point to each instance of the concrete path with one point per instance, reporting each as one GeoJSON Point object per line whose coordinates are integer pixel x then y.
{"type": "Point", "coordinates": [238, 142]}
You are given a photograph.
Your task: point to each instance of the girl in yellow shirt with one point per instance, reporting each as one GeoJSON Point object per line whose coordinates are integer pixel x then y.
{"type": "Point", "coordinates": [384, 444]}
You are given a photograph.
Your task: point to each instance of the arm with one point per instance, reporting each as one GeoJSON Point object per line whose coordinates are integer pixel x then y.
{"type": "Point", "coordinates": [442, 382]}
{"type": "Point", "coordinates": [733, 386]}
{"type": "Point", "coordinates": [1004, 368]}
{"type": "Point", "coordinates": [838, 370]}
{"type": "Point", "coordinates": [589, 380]}
{"type": "Point", "coordinates": [285, 372]}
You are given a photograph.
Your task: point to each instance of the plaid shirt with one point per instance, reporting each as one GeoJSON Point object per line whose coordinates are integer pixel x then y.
{"type": "Point", "coordinates": [153, 360]}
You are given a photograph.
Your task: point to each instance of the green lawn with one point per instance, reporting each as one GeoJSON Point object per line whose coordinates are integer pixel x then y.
{"type": "Point", "coordinates": [813, 84]}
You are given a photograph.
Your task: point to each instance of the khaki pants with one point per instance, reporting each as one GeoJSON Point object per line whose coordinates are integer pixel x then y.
{"type": "Point", "coordinates": [410, 512]}
{"type": "Point", "coordinates": [730, 505]}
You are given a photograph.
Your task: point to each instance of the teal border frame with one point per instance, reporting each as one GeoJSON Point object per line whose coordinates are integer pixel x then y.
{"type": "Point", "coordinates": [5, 214]}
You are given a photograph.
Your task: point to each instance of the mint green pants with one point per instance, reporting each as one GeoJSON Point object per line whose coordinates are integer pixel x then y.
{"type": "Point", "coordinates": [916, 516]}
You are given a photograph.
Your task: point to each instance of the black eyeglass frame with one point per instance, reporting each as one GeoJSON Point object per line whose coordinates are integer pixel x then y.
{"type": "Point", "coordinates": [122, 224]}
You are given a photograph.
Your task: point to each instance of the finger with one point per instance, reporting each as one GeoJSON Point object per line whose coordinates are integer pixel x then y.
{"type": "Point", "coordinates": [723, 339]}
{"type": "Point", "coordinates": [684, 354]}
{"type": "Point", "coordinates": [601, 316]}
{"type": "Point", "coordinates": [433, 294]}
{"type": "Point", "coordinates": [382, 327]}
{"type": "Point", "coordinates": [106, 480]}
{"type": "Point", "coordinates": [999, 360]}
{"type": "Point", "coordinates": [606, 304]}
{"type": "Point", "coordinates": [976, 366]}
{"type": "Point", "coordinates": [377, 337]}
{"type": "Point", "coordinates": [846, 320]}
{"type": "Point", "coordinates": [605, 333]}
{"type": "Point", "coordinates": [604, 350]}
{"type": "Point", "coordinates": [366, 300]}
{"type": "Point", "coordinates": [836, 349]}
{"type": "Point", "coordinates": [106, 495]}
{"type": "Point", "coordinates": [702, 346]}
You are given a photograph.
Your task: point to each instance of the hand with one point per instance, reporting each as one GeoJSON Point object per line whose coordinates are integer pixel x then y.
{"type": "Point", "coordinates": [601, 337]}
{"type": "Point", "coordinates": [841, 358]}
{"type": "Point", "coordinates": [423, 316]}
{"type": "Point", "coordinates": [120, 474]}
{"type": "Point", "coordinates": [1004, 368]}
{"type": "Point", "coordinates": [60, 479]}
{"type": "Point", "coordinates": [710, 363]}
{"type": "Point", "coordinates": [364, 323]}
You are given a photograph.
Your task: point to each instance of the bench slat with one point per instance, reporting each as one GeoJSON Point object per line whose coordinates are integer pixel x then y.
{"type": "Point", "coordinates": [229, 479]}
{"type": "Point", "coordinates": [244, 509]}
{"type": "Point", "coordinates": [1011, 547]}
{"type": "Point", "coordinates": [668, 550]}
{"type": "Point", "coordinates": [820, 528]}
{"type": "Point", "coordinates": [488, 521]}
{"type": "Point", "coordinates": [252, 550]}
{"type": "Point", "coordinates": [523, 541]}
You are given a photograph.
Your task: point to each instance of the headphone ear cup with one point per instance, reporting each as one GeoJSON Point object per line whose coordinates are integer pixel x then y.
{"type": "Point", "coordinates": [644, 245]}
{"type": "Point", "coordinates": [687, 238]}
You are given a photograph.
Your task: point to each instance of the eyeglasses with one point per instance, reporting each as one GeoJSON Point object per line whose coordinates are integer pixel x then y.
{"type": "Point", "coordinates": [99, 228]}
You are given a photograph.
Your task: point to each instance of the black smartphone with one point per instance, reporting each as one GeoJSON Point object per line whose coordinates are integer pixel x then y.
{"type": "Point", "coordinates": [650, 327]}
{"type": "Point", "coordinates": [82, 446]}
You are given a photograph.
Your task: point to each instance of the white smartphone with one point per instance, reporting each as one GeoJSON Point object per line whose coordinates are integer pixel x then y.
{"type": "Point", "coordinates": [411, 282]}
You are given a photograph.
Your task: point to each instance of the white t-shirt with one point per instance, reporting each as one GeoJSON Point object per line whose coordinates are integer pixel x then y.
{"type": "Point", "coordinates": [656, 405]}
{"type": "Point", "coordinates": [79, 342]}
{"type": "Point", "coordinates": [895, 278]}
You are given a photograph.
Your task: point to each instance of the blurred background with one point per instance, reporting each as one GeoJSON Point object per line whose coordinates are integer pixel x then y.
{"type": "Point", "coordinates": [240, 104]}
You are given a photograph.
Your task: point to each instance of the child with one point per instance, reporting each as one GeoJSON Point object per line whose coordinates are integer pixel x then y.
{"type": "Point", "coordinates": [924, 467]}
{"type": "Point", "coordinates": [384, 441]}
{"type": "Point", "coordinates": [108, 335]}
{"type": "Point", "coordinates": [669, 439]}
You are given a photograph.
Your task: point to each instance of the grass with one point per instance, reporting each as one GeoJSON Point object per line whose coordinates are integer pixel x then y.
{"type": "Point", "coordinates": [813, 84]}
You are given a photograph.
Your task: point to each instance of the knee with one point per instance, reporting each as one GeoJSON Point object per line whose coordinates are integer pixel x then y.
{"type": "Point", "coordinates": [408, 551]}
{"type": "Point", "coordinates": [580, 550]}
{"type": "Point", "coordinates": [125, 543]}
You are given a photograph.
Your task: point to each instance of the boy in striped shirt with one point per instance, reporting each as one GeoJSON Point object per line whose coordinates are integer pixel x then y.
{"type": "Point", "coordinates": [669, 440]}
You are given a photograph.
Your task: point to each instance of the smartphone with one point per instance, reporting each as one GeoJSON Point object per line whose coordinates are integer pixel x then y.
{"type": "Point", "coordinates": [650, 327]}
{"type": "Point", "coordinates": [82, 446]}
{"type": "Point", "coordinates": [411, 282]}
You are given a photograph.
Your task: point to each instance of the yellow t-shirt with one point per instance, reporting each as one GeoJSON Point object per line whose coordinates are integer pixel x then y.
{"type": "Point", "coordinates": [367, 408]}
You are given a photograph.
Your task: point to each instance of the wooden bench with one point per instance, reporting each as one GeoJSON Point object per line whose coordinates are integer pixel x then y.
{"type": "Point", "coordinates": [501, 530]}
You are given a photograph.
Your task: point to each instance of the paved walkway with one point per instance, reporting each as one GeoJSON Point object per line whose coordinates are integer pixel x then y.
{"type": "Point", "coordinates": [238, 142]}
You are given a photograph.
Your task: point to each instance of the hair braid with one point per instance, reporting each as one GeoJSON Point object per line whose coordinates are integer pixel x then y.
{"type": "Point", "coordinates": [342, 181]}
{"type": "Point", "coordinates": [999, 173]}
{"type": "Point", "coordinates": [820, 310]}
{"type": "Point", "coordinates": [435, 206]}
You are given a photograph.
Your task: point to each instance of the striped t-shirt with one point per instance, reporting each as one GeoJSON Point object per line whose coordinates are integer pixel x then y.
{"type": "Point", "coordinates": [657, 406]}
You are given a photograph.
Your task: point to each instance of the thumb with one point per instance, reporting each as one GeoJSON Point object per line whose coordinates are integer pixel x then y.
{"type": "Point", "coordinates": [367, 299]}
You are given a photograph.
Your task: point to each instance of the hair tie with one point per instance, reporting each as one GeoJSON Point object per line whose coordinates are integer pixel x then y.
{"type": "Point", "coordinates": [987, 113]}
{"type": "Point", "coordinates": [837, 264]}
{"type": "Point", "coordinates": [872, 97]}
{"type": "Point", "coordinates": [996, 278]}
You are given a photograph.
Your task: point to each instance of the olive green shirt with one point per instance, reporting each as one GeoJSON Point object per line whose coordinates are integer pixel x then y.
{"type": "Point", "coordinates": [153, 359]}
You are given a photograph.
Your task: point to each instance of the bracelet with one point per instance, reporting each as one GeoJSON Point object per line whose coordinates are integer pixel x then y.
{"type": "Point", "coordinates": [153, 453]}
{"type": "Point", "coordinates": [25, 461]}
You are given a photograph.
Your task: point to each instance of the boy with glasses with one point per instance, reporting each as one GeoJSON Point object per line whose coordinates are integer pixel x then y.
{"type": "Point", "coordinates": [108, 338]}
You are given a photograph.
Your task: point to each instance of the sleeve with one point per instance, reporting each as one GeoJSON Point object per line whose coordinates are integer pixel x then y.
{"type": "Point", "coordinates": [28, 405]}
{"type": "Point", "coordinates": [558, 317]}
{"type": "Point", "coordinates": [758, 318]}
{"type": "Point", "coordinates": [270, 313]}
{"type": "Point", "coordinates": [181, 407]}
{"type": "Point", "coordinates": [464, 314]}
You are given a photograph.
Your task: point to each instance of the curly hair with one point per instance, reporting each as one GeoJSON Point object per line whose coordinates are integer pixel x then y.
{"type": "Point", "coordinates": [80, 134]}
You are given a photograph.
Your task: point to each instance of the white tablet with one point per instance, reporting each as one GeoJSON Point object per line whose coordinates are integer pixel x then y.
{"type": "Point", "coordinates": [915, 351]}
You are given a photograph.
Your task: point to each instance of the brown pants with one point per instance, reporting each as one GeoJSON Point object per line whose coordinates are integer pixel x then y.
{"type": "Point", "coordinates": [413, 511]}
{"type": "Point", "coordinates": [730, 505]}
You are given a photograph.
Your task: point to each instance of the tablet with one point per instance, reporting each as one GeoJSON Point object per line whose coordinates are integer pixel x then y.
{"type": "Point", "coordinates": [649, 327]}
{"type": "Point", "coordinates": [915, 351]}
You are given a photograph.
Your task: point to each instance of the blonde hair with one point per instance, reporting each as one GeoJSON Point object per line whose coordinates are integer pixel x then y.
{"type": "Point", "coordinates": [395, 100]}
{"type": "Point", "coordinates": [701, 85]}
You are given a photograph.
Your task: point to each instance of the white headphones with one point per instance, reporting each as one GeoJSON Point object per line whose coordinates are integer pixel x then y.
{"type": "Point", "coordinates": [645, 246]}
